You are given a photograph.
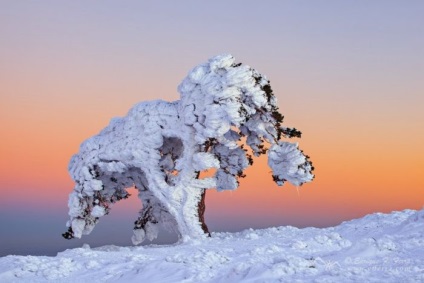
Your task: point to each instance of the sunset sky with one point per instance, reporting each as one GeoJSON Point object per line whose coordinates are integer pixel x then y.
{"type": "Point", "coordinates": [348, 74]}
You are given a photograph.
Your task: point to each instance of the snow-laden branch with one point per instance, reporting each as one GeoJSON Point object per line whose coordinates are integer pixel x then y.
{"type": "Point", "coordinates": [160, 148]}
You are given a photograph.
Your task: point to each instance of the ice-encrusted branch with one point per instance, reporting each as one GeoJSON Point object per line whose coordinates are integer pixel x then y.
{"type": "Point", "coordinates": [160, 148]}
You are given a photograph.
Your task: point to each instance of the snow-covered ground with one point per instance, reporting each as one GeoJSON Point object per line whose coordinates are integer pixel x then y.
{"type": "Point", "coordinates": [376, 248]}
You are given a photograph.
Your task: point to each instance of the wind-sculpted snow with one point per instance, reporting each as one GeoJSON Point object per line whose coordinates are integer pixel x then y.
{"type": "Point", "coordinates": [161, 147]}
{"type": "Point", "coordinates": [377, 248]}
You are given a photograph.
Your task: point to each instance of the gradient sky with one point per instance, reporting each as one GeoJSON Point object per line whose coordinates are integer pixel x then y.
{"type": "Point", "coordinates": [348, 74]}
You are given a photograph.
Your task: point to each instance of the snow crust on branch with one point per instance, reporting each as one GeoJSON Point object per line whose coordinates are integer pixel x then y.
{"type": "Point", "coordinates": [160, 147]}
{"type": "Point", "coordinates": [289, 164]}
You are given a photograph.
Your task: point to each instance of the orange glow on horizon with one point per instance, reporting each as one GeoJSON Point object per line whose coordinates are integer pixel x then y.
{"type": "Point", "coordinates": [364, 138]}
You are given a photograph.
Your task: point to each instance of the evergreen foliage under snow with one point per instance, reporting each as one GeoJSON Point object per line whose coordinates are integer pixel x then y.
{"type": "Point", "coordinates": [161, 147]}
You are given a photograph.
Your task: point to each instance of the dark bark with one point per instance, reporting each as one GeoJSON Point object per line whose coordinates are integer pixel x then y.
{"type": "Point", "coordinates": [146, 216]}
{"type": "Point", "coordinates": [201, 207]}
{"type": "Point", "coordinates": [69, 234]}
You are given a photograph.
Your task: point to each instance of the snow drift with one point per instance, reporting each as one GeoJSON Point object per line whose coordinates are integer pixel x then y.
{"type": "Point", "coordinates": [376, 248]}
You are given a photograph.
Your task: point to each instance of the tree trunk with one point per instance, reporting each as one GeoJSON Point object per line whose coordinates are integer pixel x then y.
{"type": "Point", "coordinates": [201, 207]}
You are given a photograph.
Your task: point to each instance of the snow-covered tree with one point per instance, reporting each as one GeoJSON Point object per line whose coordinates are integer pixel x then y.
{"type": "Point", "coordinates": [160, 148]}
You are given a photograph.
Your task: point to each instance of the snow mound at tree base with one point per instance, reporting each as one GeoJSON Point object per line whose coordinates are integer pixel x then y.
{"type": "Point", "coordinates": [376, 248]}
